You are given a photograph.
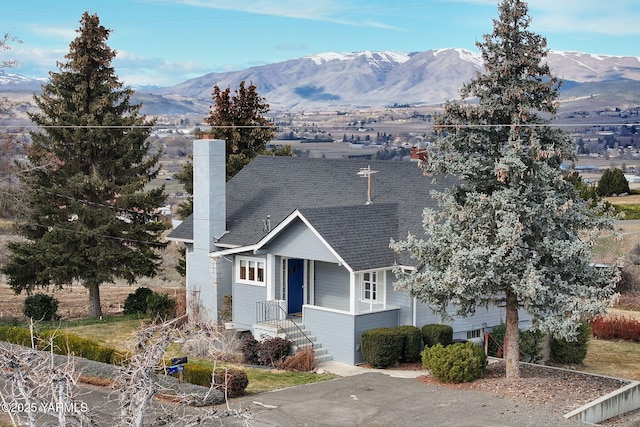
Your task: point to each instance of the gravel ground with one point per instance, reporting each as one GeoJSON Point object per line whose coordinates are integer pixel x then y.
{"type": "Point", "coordinates": [559, 390]}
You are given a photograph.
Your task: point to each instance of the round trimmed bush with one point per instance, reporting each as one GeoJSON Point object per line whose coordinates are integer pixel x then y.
{"type": "Point", "coordinates": [41, 307]}
{"type": "Point", "coordinates": [136, 302]}
{"type": "Point", "coordinates": [235, 381]}
{"type": "Point", "coordinates": [273, 350]}
{"type": "Point", "coordinates": [251, 350]}
{"type": "Point", "coordinates": [434, 333]}
{"type": "Point", "coordinates": [455, 363]}
{"type": "Point", "coordinates": [161, 306]}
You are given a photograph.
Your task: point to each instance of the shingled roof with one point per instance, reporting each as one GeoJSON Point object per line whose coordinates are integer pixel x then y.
{"type": "Point", "coordinates": [332, 196]}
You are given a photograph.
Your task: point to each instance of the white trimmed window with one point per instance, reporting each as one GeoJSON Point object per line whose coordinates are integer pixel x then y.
{"type": "Point", "coordinates": [250, 271]}
{"type": "Point", "coordinates": [371, 286]}
{"type": "Point", "coordinates": [475, 333]}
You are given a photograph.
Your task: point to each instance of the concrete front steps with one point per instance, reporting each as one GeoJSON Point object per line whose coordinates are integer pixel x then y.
{"type": "Point", "coordinates": [300, 337]}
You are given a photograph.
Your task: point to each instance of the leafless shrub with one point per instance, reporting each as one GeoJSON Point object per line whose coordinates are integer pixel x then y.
{"type": "Point", "coordinates": [45, 390]}
{"type": "Point", "coordinates": [302, 361]}
{"type": "Point", "coordinates": [629, 279]}
{"type": "Point", "coordinates": [212, 341]}
{"type": "Point", "coordinates": [628, 301]}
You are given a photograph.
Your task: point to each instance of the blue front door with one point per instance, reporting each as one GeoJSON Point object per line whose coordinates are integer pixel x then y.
{"type": "Point", "coordinates": [295, 285]}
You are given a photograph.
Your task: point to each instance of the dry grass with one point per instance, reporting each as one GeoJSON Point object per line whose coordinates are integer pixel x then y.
{"type": "Point", "coordinates": [631, 199]}
{"type": "Point", "coordinates": [610, 248]}
{"type": "Point", "coordinates": [74, 300]}
{"type": "Point", "coordinates": [114, 334]}
{"type": "Point", "coordinates": [618, 359]}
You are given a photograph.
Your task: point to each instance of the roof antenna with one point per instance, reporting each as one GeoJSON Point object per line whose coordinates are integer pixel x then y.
{"type": "Point", "coordinates": [267, 223]}
{"type": "Point", "coordinates": [366, 173]}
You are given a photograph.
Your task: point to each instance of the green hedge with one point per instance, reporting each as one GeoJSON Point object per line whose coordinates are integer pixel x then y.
{"type": "Point", "coordinates": [197, 374]}
{"type": "Point", "coordinates": [381, 347]}
{"type": "Point", "coordinates": [15, 335]}
{"type": "Point", "coordinates": [530, 343]}
{"type": "Point", "coordinates": [412, 343]}
{"type": "Point", "coordinates": [63, 343]}
{"type": "Point", "coordinates": [66, 343]}
{"type": "Point", "coordinates": [433, 334]}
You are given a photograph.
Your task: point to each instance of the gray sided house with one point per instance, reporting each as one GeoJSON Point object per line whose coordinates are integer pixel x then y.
{"type": "Point", "coordinates": [307, 241]}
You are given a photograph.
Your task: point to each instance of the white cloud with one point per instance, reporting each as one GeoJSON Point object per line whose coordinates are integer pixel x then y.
{"type": "Point", "coordinates": [319, 10]}
{"type": "Point", "coordinates": [135, 70]}
{"type": "Point", "coordinates": [64, 34]}
{"type": "Point", "coordinates": [619, 17]}
{"type": "Point", "coordinates": [36, 62]}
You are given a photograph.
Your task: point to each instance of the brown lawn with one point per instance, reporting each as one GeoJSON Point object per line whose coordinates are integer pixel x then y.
{"type": "Point", "coordinates": [74, 300]}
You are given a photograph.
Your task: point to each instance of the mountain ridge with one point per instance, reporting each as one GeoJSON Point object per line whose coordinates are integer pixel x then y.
{"type": "Point", "coordinates": [337, 80]}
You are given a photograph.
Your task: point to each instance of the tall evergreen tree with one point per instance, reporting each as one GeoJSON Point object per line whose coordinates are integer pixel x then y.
{"type": "Point", "coordinates": [510, 234]}
{"type": "Point", "coordinates": [91, 220]}
{"type": "Point", "coordinates": [239, 120]}
{"type": "Point", "coordinates": [612, 182]}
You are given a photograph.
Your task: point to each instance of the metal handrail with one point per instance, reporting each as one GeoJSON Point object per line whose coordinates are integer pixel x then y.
{"type": "Point", "coordinates": [488, 337]}
{"type": "Point", "coordinates": [272, 312]}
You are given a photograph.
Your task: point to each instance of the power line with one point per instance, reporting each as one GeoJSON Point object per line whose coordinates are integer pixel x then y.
{"type": "Point", "coordinates": [121, 239]}
{"type": "Point", "coordinates": [87, 202]}
{"type": "Point", "coordinates": [336, 126]}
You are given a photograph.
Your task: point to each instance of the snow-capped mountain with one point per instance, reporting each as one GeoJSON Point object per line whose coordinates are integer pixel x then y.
{"type": "Point", "coordinates": [8, 80]}
{"type": "Point", "coordinates": [373, 79]}
{"type": "Point", "coordinates": [348, 79]}
{"type": "Point", "coordinates": [382, 78]}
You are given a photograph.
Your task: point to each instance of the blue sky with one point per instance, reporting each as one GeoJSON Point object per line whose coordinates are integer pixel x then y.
{"type": "Point", "coordinates": [165, 42]}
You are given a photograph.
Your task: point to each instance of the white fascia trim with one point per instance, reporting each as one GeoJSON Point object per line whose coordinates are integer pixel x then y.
{"type": "Point", "coordinates": [232, 251]}
{"type": "Point", "coordinates": [369, 270]}
{"type": "Point", "coordinates": [406, 267]}
{"type": "Point", "coordinates": [288, 220]}
{"type": "Point", "coordinates": [227, 245]}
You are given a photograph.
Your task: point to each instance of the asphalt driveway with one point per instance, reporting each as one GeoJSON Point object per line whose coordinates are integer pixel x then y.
{"type": "Point", "coordinates": [376, 399]}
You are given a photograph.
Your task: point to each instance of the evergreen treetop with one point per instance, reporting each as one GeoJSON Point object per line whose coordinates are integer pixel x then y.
{"type": "Point", "coordinates": [239, 120]}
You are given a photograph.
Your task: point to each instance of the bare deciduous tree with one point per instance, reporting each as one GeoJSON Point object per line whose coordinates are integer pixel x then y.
{"type": "Point", "coordinates": [43, 389]}
{"type": "Point", "coordinates": [138, 381]}
{"type": "Point", "coordinates": [36, 388]}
